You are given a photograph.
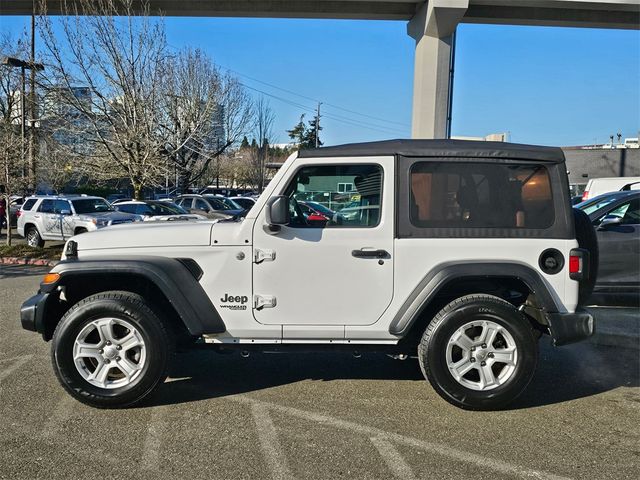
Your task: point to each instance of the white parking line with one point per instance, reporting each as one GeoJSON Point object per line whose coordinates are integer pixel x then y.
{"type": "Point", "coordinates": [273, 453]}
{"type": "Point", "coordinates": [153, 441]}
{"type": "Point", "coordinates": [444, 450]}
{"type": "Point", "coordinates": [393, 459]}
{"type": "Point", "coordinates": [18, 362]}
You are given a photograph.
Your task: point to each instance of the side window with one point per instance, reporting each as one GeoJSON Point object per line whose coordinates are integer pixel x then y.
{"type": "Point", "coordinates": [61, 205]}
{"type": "Point", "coordinates": [629, 213]}
{"type": "Point", "coordinates": [477, 195]}
{"type": "Point", "coordinates": [28, 205]}
{"type": "Point", "coordinates": [46, 206]}
{"type": "Point", "coordinates": [344, 196]}
{"type": "Point", "coordinates": [126, 208]}
{"type": "Point", "coordinates": [202, 205]}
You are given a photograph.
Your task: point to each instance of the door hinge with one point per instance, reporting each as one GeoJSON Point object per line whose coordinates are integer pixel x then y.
{"type": "Point", "coordinates": [260, 256]}
{"type": "Point", "coordinates": [263, 301]}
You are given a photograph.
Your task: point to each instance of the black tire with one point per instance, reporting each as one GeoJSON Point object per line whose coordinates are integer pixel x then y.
{"type": "Point", "coordinates": [432, 351]}
{"type": "Point", "coordinates": [34, 239]}
{"type": "Point", "coordinates": [120, 305]}
{"type": "Point", "coordinates": [587, 239]}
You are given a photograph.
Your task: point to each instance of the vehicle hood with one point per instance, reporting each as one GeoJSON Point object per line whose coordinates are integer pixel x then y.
{"type": "Point", "coordinates": [147, 234]}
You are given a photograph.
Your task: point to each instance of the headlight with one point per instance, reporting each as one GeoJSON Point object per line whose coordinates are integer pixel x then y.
{"type": "Point", "coordinates": [100, 222]}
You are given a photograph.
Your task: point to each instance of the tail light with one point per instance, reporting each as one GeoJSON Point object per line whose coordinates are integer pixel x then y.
{"type": "Point", "coordinates": [579, 264]}
{"type": "Point", "coordinates": [585, 195]}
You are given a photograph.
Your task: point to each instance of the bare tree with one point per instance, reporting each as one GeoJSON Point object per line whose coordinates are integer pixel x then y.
{"type": "Point", "coordinates": [12, 141]}
{"type": "Point", "coordinates": [119, 55]}
{"type": "Point", "coordinates": [205, 114]}
{"type": "Point", "coordinates": [258, 154]}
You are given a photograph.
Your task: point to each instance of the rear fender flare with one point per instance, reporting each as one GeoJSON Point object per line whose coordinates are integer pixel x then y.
{"type": "Point", "coordinates": [437, 278]}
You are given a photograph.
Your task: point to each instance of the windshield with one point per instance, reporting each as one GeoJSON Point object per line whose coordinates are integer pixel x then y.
{"type": "Point", "coordinates": [163, 208]}
{"type": "Point", "coordinates": [231, 204]}
{"type": "Point", "coordinates": [91, 205]}
{"type": "Point", "coordinates": [591, 206]}
{"type": "Point", "coordinates": [221, 203]}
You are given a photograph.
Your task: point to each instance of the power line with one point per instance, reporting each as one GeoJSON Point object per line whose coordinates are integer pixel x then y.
{"type": "Point", "coordinates": [354, 112]}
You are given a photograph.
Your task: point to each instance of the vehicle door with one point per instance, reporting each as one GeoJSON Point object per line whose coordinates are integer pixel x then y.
{"type": "Point", "coordinates": [47, 220]}
{"type": "Point", "coordinates": [618, 234]}
{"type": "Point", "coordinates": [333, 273]}
{"type": "Point", "coordinates": [64, 218]}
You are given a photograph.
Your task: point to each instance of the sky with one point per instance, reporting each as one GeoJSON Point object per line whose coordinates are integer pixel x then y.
{"type": "Point", "coordinates": [543, 85]}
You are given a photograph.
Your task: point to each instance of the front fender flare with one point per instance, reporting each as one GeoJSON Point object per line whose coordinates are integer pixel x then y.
{"type": "Point", "coordinates": [175, 278]}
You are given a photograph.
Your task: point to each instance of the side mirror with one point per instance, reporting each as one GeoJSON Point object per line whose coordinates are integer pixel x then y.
{"type": "Point", "coordinates": [278, 211]}
{"type": "Point", "coordinates": [65, 212]}
{"type": "Point", "coordinates": [609, 221]}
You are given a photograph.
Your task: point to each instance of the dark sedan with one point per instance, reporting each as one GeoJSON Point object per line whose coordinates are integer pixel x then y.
{"type": "Point", "coordinates": [616, 218]}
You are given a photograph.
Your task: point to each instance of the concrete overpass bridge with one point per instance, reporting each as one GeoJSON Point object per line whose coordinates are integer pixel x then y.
{"type": "Point", "coordinates": [431, 23]}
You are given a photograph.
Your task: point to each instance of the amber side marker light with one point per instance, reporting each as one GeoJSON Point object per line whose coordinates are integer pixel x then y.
{"type": "Point", "coordinates": [50, 278]}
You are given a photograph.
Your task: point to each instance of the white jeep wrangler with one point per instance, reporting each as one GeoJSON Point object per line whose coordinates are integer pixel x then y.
{"type": "Point", "coordinates": [459, 253]}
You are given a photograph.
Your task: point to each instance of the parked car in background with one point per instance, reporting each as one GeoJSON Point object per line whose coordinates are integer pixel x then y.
{"type": "Point", "coordinates": [156, 210]}
{"type": "Point", "coordinates": [316, 212]}
{"type": "Point", "coordinates": [616, 217]}
{"type": "Point", "coordinates": [121, 200]}
{"type": "Point", "coordinates": [15, 203]}
{"type": "Point", "coordinates": [114, 197]}
{"type": "Point", "coordinates": [598, 186]}
{"type": "Point", "coordinates": [60, 217]}
{"type": "Point", "coordinates": [211, 206]}
{"type": "Point", "coordinates": [244, 202]}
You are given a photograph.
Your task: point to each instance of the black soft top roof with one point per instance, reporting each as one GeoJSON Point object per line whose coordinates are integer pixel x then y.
{"type": "Point", "coordinates": [440, 148]}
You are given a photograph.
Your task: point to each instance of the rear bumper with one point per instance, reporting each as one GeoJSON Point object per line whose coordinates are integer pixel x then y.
{"type": "Point", "coordinates": [569, 328]}
{"type": "Point", "coordinates": [32, 313]}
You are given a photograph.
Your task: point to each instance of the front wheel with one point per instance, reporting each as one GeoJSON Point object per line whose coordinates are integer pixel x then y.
{"type": "Point", "coordinates": [34, 239]}
{"type": "Point", "coordinates": [111, 350]}
{"type": "Point", "coordinates": [478, 352]}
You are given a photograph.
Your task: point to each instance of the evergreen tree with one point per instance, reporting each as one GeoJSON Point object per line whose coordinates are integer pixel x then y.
{"type": "Point", "coordinates": [298, 133]}
{"type": "Point", "coordinates": [305, 135]}
{"type": "Point", "coordinates": [245, 142]}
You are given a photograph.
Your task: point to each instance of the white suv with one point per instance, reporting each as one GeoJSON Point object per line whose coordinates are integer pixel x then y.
{"type": "Point", "coordinates": [61, 217]}
{"type": "Point", "coordinates": [461, 254]}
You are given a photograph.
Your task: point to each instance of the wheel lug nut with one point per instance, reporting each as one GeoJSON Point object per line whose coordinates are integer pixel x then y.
{"type": "Point", "coordinates": [101, 351]}
{"type": "Point", "coordinates": [473, 349]}
{"type": "Point", "coordinates": [482, 364]}
{"type": "Point", "coordinates": [108, 342]}
{"type": "Point", "coordinates": [106, 360]}
{"type": "Point", "coordinates": [490, 355]}
{"type": "Point", "coordinates": [118, 347]}
{"type": "Point", "coordinates": [472, 359]}
{"type": "Point", "coordinates": [484, 345]}
{"type": "Point", "coordinates": [117, 359]}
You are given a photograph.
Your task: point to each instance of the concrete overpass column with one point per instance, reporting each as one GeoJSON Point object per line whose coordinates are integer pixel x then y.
{"type": "Point", "coordinates": [433, 27]}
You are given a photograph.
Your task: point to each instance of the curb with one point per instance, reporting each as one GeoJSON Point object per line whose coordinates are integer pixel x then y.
{"type": "Point", "coordinates": [41, 262]}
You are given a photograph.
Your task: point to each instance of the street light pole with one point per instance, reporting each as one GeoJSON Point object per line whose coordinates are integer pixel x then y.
{"type": "Point", "coordinates": [17, 63]}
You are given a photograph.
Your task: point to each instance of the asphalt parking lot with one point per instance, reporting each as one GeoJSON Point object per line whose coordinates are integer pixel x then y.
{"type": "Point", "coordinates": [314, 416]}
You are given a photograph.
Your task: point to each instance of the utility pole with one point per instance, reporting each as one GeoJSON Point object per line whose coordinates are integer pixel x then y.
{"type": "Point", "coordinates": [318, 123]}
{"type": "Point", "coordinates": [32, 104]}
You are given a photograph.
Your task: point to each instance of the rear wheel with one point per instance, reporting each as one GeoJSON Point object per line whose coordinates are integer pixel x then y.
{"type": "Point", "coordinates": [111, 350]}
{"type": "Point", "coordinates": [34, 239]}
{"type": "Point", "coordinates": [478, 352]}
